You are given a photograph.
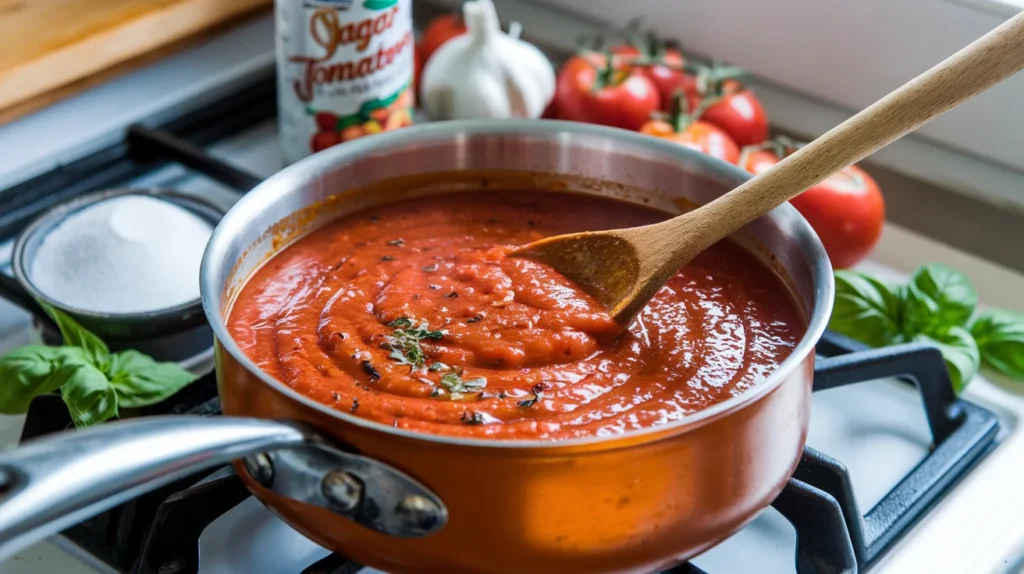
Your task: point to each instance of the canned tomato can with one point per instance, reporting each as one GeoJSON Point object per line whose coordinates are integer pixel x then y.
{"type": "Point", "coordinates": [344, 71]}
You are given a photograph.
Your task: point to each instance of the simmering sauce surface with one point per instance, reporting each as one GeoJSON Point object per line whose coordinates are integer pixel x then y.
{"type": "Point", "coordinates": [412, 315]}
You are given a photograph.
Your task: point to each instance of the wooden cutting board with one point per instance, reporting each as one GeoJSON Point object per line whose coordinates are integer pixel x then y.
{"type": "Point", "coordinates": [48, 44]}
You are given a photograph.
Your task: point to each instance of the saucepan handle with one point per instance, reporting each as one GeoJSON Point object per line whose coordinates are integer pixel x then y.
{"type": "Point", "coordinates": [51, 483]}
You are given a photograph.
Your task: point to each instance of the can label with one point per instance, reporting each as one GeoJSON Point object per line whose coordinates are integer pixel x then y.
{"type": "Point", "coordinates": [344, 69]}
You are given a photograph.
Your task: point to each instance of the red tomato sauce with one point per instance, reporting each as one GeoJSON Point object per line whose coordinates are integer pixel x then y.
{"type": "Point", "coordinates": [508, 348]}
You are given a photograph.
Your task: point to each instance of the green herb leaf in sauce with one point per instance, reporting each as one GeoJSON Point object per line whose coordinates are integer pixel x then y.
{"type": "Point", "coordinates": [453, 381]}
{"type": "Point", "coordinates": [405, 342]}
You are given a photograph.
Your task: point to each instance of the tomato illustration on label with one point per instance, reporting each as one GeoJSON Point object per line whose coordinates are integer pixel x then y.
{"type": "Point", "coordinates": [375, 116]}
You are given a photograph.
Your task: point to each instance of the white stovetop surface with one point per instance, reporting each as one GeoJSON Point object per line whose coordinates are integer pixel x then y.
{"type": "Point", "coordinates": [878, 430]}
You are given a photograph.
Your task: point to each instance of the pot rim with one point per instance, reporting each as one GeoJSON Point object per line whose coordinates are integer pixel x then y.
{"type": "Point", "coordinates": [321, 162]}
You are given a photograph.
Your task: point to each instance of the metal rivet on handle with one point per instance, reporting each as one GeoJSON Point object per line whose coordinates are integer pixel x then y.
{"type": "Point", "coordinates": [419, 514]}
{"type": "Point", "coordinates": [342, 490]}
{"type": "Point", "coordinates": [260, 468]}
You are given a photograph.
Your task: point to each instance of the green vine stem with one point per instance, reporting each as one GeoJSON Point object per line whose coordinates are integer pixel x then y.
{"type": "Point", "coordinates": [680, 117]}
{"type": "Point", "coordinates": [605, 74]}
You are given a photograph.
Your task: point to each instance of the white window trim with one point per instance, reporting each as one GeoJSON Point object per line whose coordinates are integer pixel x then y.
{"type": "Point", "coordinates": [994, 175]}
{"type": "Point", "coordinates": [1002, 8]}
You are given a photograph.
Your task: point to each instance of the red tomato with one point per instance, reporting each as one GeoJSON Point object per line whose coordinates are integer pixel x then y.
{"type": "Point", "coordinates": [698, 135]}
{"type": "Point", "coordinates": [550, 112]}
{"type": "Point", "coordinates": [326, 121]}
{"type": "Point", "coordinates": [666, 78]}
{"type": "Point", "coordinates": [588, 91]}
{"type": "Point", "coordinates": [757, 161]}
{"type": "Point", "coordinates": [440, 30]}
{"type": "Point", "coordinates": [323, 140]}
{"type": "Point", "coordinates": [846, 210]}
{"type": "Point", "coordinates": [740, 115]}
{"type": "Point", "coordinates": [736, 110]}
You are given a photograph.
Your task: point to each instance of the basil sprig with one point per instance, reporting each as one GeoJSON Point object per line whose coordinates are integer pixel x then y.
{"type": "Point", "coordinates": [937, 306]}
{"type": "Point", "coordinates": [1000, 337]}
{"type": "Point", "coordinates": [93, 382]}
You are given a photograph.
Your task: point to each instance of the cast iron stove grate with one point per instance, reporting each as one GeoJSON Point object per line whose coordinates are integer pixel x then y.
{"type": "Point", "coordinates": [159, 532]}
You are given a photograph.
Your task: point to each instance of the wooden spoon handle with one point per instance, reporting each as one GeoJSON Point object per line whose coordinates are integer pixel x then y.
{"type": "Point", "coordinates": [993, 57]}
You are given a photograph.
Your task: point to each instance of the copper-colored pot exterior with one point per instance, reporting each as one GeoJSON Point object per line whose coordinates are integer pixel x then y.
{"type": "Point", "coordinates": [633, 503]}
{"type": "Point", "coordinates": [636, 508]}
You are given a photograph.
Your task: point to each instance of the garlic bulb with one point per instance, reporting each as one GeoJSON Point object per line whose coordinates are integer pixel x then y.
{"type": "Point", "coordinates": [486, 73]}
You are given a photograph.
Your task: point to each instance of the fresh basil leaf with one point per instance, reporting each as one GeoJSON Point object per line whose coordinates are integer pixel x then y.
{"type": "Point", "coordinates": [960, 352]}
{"type": "Point", "coordinates": [1000, 337]}
{"type": "Point", "coordinates": [141, 381]}
{"type": "Point", "coordinates": [937, 298]}
{"type": "Point", "coordinates": [75, 335]}
{"type": "Point", "coordinates": [28, 372]}
{"type": "Point", "coordinates": [89, 395]}
{"type": "Point", "coordinates": [866, 309]}
{"type": "Point", "coordinates": [919, 311]}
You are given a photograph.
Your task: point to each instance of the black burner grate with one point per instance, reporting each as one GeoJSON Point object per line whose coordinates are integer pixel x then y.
{"type": "Point", "coordinates": [159, 532]}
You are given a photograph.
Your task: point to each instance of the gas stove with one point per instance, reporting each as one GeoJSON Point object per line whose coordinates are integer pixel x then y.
{"type": "Point", "coordinates": [894, 460]}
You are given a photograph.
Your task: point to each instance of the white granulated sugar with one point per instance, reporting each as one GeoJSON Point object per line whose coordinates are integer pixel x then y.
{"type": "Point", "coordinates": [128, 254]}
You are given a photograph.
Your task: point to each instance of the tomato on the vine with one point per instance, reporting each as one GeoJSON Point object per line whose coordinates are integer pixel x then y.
{"type": "Point", "coordinates": [438, 31]}
{"type": "Point", "coordinates": [663, 66]}
{"type": "Point", "coordinates": [727, 103]}
{"type": "Point", "coordinates": [702, 136]}
{"type": "Point", "coordinates": [757, 159]}
{"type": "Point", "coordinates": [739, 113]}
{"type": "Point", "coordinates": [846, 210]}
{"type": "Point", "coordinates": [592, 89]}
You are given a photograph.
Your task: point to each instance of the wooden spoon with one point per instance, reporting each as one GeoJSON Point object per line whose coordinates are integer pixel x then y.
{"type": "Point", "coordinates": [624, 268]}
